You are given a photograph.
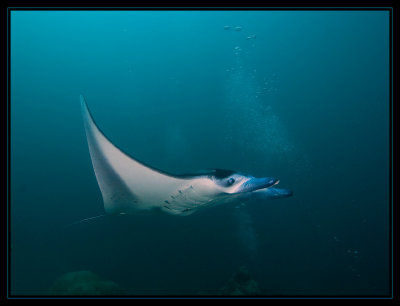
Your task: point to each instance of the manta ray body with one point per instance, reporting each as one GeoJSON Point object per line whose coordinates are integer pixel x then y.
{"type": "Point", "coordinates": [129, 186]}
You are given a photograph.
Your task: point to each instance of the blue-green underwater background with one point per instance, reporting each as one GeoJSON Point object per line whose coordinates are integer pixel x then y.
{"type": "Point", "coordinates": [302, 96]}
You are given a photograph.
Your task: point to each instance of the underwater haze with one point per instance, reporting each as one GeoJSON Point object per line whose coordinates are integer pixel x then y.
{"type": "Point", "coordinates": [302, 96]}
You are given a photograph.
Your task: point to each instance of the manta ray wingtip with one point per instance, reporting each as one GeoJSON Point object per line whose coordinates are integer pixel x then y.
{"type": "Point", "coordinates": [82, 99]}
{"type": "Point", "coordinates": [85, 109]}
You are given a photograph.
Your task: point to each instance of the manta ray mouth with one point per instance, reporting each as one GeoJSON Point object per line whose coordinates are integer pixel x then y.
{"type": "Point", "coordinates": [265, 188]}
{"type": "Point", "coordinates": [273, 193]}
{"type": "Point", "coordinates": [255, 184]}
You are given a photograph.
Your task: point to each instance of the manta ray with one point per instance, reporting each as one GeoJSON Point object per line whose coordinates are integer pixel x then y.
{"type": "Point", "coordinates": [129, 186]}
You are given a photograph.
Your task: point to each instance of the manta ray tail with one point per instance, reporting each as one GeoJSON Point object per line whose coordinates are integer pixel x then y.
{"type": "Point", "coordinates": [87, 219]}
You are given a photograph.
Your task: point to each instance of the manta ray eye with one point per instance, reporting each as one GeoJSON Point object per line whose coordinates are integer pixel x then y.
{"type": "Point", "coordinates": [231, 181]}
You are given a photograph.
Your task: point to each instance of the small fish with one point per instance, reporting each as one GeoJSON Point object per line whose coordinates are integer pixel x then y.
{"type": "Point", "coordinates": [251, 37]}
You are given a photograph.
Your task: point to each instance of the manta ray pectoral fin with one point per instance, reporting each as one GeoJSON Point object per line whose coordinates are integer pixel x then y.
{"type": "Point", "coordinates": [125, 184]}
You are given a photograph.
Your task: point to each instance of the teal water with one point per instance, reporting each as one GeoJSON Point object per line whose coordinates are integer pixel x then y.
{"type": "Point", "coordinates": [298, 95]}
